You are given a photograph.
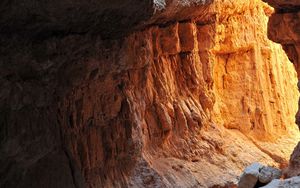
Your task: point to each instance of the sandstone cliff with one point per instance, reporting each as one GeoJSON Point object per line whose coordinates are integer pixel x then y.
{"type": "Point", "coordinates": [284, 28]}
{"type": "Point", "coordinates": [150, 95]}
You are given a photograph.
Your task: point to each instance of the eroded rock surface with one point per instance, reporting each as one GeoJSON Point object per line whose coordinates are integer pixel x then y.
{"type": "Point", "coordinates": [136, 98]}
{"type": "Point", "coordinates": [284, 28]}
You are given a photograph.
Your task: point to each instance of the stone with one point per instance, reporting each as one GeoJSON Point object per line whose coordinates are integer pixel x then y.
{"type": "Point", "coordinates": [267, 174]}
{"type": "Point", "coordinates": [186, 35]}
{"type": "Point", "coordinates": [283, 27]}
{"type": "Point", "coordinates": [257, 173]}
{"type": "Point", "coordinates": [87, 89]}
{"type": "Point", "coordinates": [250, 176]}
{"type": "Point", "coordinates": [169, 40]}
{"type": "Point", "coordinates": [294, 163]}
{"type": "Point", "coordinates": [293, 182]}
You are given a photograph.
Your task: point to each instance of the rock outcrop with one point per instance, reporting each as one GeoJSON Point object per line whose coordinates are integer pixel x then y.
{"type": "Point", "coordinates": [284, 28]}
{"type": "Point", "coordinates": [140, 93]}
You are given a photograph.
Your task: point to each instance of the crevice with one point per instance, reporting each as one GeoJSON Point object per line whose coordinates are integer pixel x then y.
{"type": "Point", "coordinates": [78, 183]}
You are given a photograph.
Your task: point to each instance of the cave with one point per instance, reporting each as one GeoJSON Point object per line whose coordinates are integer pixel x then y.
{"type": "Point", "coordinates": [153, 93]}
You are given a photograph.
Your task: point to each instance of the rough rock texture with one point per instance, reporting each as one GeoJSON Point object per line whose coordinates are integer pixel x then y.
{"type": "Point", "coordinates": [293, 182]}
{"type": "Point", "coordinates": [287, 24]}
{"type": "Point", "coordinates": [267, 174]}
{"type": "Point", "coordinates": [257, 174]}
{"type": "Point", "coordinates": [284, 28]}
{"type": "Point", "coordinates": [293, 169]}
{"type": "Point", "coordinates": [250, 176]}
{"type": "Point", "coordinates": [248, 69]}
{"type": "Point", "coordinates": [103, 94]}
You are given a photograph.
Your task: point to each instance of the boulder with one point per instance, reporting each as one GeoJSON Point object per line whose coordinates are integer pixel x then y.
{"type": "Point", "coordinates": [250, 176]}
{"type": "Point", "coordinates": [256, 174]}
{"type": "Point", "coordinates": [267, 174]}
{"type": "Point", "coordinates": [293, 182]}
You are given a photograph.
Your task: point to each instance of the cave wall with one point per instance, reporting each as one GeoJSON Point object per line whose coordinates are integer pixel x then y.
{"type": "Point", "coordinates": [153, 94]}
{"type": "Point", "coordinates": [84, 106]}
{"type": "Point", "coordinates": [66, 117]}
{"type": "Point", "coordinates": [284, 28]}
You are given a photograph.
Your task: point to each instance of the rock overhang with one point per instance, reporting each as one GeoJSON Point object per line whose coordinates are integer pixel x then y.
{"type": "Point", "coordinates": [109, 19]}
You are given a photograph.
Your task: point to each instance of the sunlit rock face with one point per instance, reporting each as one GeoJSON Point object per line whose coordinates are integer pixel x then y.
{"type": "Point", "coordinates": [284, 28]}
{"type": "Point", "coordinates": [249, 73]}
{"type": "Point", "coordinates": [186, 94]}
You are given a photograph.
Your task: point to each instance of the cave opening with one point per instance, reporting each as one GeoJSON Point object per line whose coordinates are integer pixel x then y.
{"type": "Point", "coordinates": [252, 75]}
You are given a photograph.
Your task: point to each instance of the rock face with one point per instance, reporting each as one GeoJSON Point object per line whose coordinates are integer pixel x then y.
{"type": "Point", "coordinates": [284, 28]}
{"type": "Point", "coordinates": [137, 99]}
{"type": "Point", "coordinates": [294, 164]}
{"type": "Point", "coordinates": [245, 76]}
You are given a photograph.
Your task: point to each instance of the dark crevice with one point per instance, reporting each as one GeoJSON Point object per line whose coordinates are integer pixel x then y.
{"type": "Point", "coordinates": [288, 9]}
{"type": "Point", "coordinates": [77, 181]}
{"type": "Point", "coordinates": [259, 184]}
